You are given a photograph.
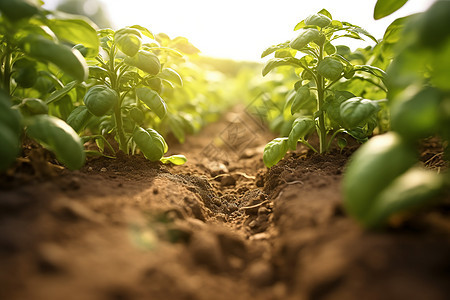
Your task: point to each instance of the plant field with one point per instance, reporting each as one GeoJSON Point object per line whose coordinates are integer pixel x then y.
{"type": "Point", "coordinates": [133, 167]}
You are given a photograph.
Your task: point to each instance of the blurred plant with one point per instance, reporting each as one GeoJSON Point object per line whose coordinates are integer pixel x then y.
{"type": "Point", "coordinates": [38, 69]}
{"type": "Point", "coordinates": [382, 179]}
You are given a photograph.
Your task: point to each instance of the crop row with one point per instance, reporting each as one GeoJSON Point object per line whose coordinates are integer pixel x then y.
{"type": "Point", "coordinates": [398, 90]}
{"type": "Point", "coordinates": [65, 83]}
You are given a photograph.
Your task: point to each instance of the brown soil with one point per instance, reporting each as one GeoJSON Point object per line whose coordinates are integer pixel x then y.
{"type": "Point", "coordinates": [220, 227]}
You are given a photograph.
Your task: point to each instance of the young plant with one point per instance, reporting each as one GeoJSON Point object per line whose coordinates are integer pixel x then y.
{"type": "Point", "coordinates": [39, 68]}
{"type": "Point", "coordinates": [383, 178]}
{"type": "Point", "coordinates": [314, 99]}
{"type": "Point", "coordinates": [125, 81]}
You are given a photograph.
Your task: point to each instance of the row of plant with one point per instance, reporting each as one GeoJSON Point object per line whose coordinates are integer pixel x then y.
{"type": "Point", "coordinates": [65, 82]}
{"type": "Point", "coordinates": [397, 90]}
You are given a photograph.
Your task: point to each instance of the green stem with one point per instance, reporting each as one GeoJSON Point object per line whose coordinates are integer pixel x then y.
{"type": "Point", "coordinates": [334, 136]}
{"type": "Point", "coordinates": [304, 142]}
{"type": "Point", "coordinates": [118, 107]}
{"type": "Point", "coordinates": [7, 71]}
{"type": "Point", "coordinates": [320, 101]}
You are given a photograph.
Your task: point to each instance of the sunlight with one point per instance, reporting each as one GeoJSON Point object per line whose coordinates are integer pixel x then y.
{"type": "Point", "coordinates": [241, 29]}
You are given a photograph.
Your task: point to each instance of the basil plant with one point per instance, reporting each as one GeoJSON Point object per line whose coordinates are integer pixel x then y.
{"type": "Point", "coordinates": [314, 100]}
{"type": "Point", "coordinates": [124, 86]}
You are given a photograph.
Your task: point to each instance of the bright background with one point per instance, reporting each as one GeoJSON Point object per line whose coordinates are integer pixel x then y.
{"type": "Point", "coordinates": [242, 29]}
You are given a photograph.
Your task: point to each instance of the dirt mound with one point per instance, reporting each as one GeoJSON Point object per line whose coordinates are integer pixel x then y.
{"type": "Point", "coordinates": [220, 227]}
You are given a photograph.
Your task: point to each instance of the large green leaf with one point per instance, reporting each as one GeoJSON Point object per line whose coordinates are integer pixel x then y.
{"type": "Point", "coordinates": [274, 48]}
{"type": "Point", "coordinates": [318, 19]}
{"type": "Point", "coordinates": [68, 60]}
{"type": "Point", "coordinates": [150, 142]}
{"type": "Point", "coordinates": [172, 76]}
{"type": "Point", "coordinates": [151, 99]}
{"type": "Point", "coordinates": [278, 62]}
{"type": "Point", "coordinates": [384, 8]}
{"type": "Point", "coordinates": [58, 137]}
{"type": "Point", "coordinates": [417, 115]}
{"type": "Point", "coordinates": [305, 37]}
{"type": "Point", "coordinates": [76, 30]}
{"type": "Point", "coordinates": [128, 40]}
{"type": "Point", "coordinates": [16, 10]}
{"type": "Point", "coordinates": [330, 68]}
{"type": "Point", "coordinates": [301, 99]}
{"type": "Point", "coordinates": [372, 168]}
{"type": "Point", "coordinates": [79, 117]}
{"type": "Point", "coordinates": [357, 110]}
{"type": "Point", "coordinates": [412, 190]}
{"type": "Point", "coordinates": [275, 151]}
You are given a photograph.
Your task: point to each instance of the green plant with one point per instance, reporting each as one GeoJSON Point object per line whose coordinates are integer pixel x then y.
{"type": "Point", "coordinates": [383, 178]}
{"type": "Point", "coordinates": [124, 84]}
{"type": "Point", "coordinates": [314, 100]}
{"type": "Point", "coordinates": [38, 69]}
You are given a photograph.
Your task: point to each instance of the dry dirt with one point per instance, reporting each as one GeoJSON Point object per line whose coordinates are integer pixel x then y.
{"type": "Point", "coordinates": [220, 227]}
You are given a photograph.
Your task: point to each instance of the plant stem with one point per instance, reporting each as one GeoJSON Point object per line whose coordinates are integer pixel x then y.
{"type": "Point", "coordinates": [118, 106]}
{"type": "Point", "coordinates": [7, 71]}
{"type": "Point", "coordinates": [304, 142]}
{"type": "Point", "coordinates": [320, 99]}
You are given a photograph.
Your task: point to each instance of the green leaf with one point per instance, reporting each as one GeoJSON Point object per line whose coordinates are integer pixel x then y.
{"type": "Point", "coordinates": [25, 72]}
{"type": "Point", "coordinates": [144, 31]}
{"type": "Point", "coordinates": [99, 99]}
{"type": "Point", "coordinates": [79, 118]}
{"type": "Point", "coordinates": [305, 37]}
{"type": "Point", "coordinates": [152, 100]}
{"type": "Point", "coordinates": [357, 110]}
{"type": "Point", "coordinates": [274, 48]}
{"type": "Point", "coordinates": [171, 76]}
{"type": "Point", "coordinates": [318, 19]}
{"type": "Point", "coordinates": [176, 126]}
{"type": "Point", "coordinates": [394, 31]}
{"type": "Point", "coordinates": [9, 117]}
{"type": "Point", "coordinates": [10, 131]}
{"type": "Point", "coordinates": [325, 13]}
{"type": "Point", "coordinates": [128, 40]}
{"type": "Point", "coordinates": [300, 25]}
{"type": "Point", "coordinates": [150, 142]}
{"type": "Point", "coordinates": [275, 151]}
{"type": "Point", "coordinates": [10, 148]}
{"type": "Point", "coordinates": [33, 106]}
{"type": "Point", "coordinates": [68, 60]}
{"type": "Point", "coordinates": [16, 10]}
{"type": "Point", "coordinates": [300, 128]}
{"type": "Point", "coordinates": [329, 48]}
{"type": "Point", "coordinates": [58, 94]}
{"type": "Point", "coordinates": [384, 8]}
{"type": "Point", "coordinates": [412, 190]}
{"type": "Point", "coordinates": [146, 61]}
{"type": "Point", "coordinates": [278, 62]}
{"type": "Point", "coordinates": [330, 68]}
{"type": "Point", "coordinates": [372, 168]}
{"type": "Point", "coordinates": [174, 159]}
{"type": "Point", "coordinates": [301, 99]}
{"type": "Point", "coordinates": [417, 114]}
{"type": "Point", "coordinates": [76, 30]}
{"type": "Point", "coordinates": [58, 137]}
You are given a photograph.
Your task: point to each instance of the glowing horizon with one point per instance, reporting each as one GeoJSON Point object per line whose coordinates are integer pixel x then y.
{"type": "Point", "coordinates": [241, 30]}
